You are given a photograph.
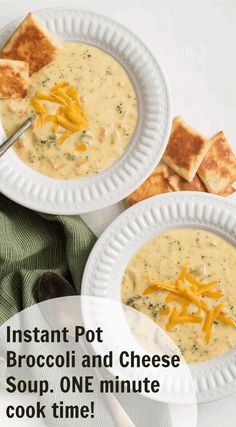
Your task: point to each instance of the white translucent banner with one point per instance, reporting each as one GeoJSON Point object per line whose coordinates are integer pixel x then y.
{"type": "Point", "coordinates": [92, 362]}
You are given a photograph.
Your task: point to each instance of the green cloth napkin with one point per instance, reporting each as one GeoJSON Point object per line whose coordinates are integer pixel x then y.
{"type": "Point", "coordinates": [31, 244]}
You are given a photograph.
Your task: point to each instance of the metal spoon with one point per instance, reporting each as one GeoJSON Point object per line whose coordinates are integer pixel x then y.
{"type": "Point", "coordinates": [53, 285]}
{"type": "Point", "coordinates": [16, 135]}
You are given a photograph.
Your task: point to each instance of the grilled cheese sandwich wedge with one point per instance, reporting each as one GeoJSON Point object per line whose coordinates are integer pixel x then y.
{"type": "Point", "coordinates": [31, 42]}
{"type": "Point", "coordinates": [14, 79]}
{"type": "Point", "coordinates": [218, 169]}
{"type": "Point", "coordinates": [186, 149]}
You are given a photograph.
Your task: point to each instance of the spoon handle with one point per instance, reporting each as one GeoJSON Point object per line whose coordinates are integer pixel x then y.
{"type": "Point", "coordinates": [13, 138]}
{"type": "Point", "coordinates": [119, 416]}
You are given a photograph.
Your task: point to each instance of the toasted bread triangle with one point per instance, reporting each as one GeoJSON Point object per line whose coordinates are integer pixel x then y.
{"type": "Point", "coordinates": [186, 149]}
{"type": "Point", "coordinates": [178, 183]}
{"type": "Point", "coordinates": [154, 184]}
{"type": "Point", "coordinates": [14, 79]}
{"type": "Point", "coordinates": [31, 42]}
{"type": "Point", "coordinates": [218, 169]}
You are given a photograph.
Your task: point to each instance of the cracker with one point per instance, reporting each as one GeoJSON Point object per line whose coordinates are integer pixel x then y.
{"type": "Point", "coordinates": [14, 79]}
{"type": "Point", "coordinates": [154, 184]}
{"type": "Point", "coordinates": [186, 149]}
{"type": "Point", "coordinates": [218, 169]}
{"type": "Point", "coordinates": [31, 42]}
{"type": "Point", "coordinates": [178, 183]}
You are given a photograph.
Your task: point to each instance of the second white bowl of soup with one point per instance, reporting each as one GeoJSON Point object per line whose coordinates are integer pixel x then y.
{"type": "Point", "coordinates": [173, 257]}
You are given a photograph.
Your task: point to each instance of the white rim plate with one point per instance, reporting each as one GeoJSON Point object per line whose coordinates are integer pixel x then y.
{"type": "Point", "coordinates": [71, 197]}
{"type": "Point", "coordinates": [216, 378]}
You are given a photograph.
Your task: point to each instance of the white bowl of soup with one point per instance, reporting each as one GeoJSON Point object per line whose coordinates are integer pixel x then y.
{"type": "Point", "coordinates": [125, 97]}
{"type": "Point", "coordinates": [173, 257]}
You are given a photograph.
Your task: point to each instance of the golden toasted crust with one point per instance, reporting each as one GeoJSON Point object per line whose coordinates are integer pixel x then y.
{"type": "Point", "coordinates": [218, 169]}
{"type": "Point", "coordinates": [186, 149]}
{"type": "Point", "coordinates": [178, 183]}
{"type": "Point", "coordinates": [154, 184]}
{"type": "Point", "coordinates": [31, 43]}
{"type": "Point", "coordinates": [14, 77]}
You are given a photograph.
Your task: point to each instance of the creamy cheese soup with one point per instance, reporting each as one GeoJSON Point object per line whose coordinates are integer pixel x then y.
{"type": "Point", "coordinates": [108, 99]}
{"type": "Point", "coordinates": [212, 261]}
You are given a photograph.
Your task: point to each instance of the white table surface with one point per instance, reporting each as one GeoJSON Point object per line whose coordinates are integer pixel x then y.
{"type": "Point", "coordinates": [195, 41]}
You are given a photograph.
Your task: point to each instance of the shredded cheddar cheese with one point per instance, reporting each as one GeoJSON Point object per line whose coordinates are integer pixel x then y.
{"type": "Point", "coordinates": [192, 280]}
{"type": "Point", "coordinates": [224, 319]}
{"type": "Point", "coordinates": [40, 109]}
{"type": "Point", "coordinates": [171, 323]}
{"type": "Point", "coordinates": [185, 291]}
{"type": "Point", "coordinates": [188, 319]}
{"type": "Point", "coordinates": [205, 288]}
{"type": "Point", "coordinates": [165, 311]}
{"type": "Point", "coordinates": [69, 115]}
{"type": "Point", "coordinates": [81, 147]}
{"type": "Point", "coordinates": [63, 137]}
{"type": "Point", "coordinates": [150, 289]}
{"type": "Point", "coordinates": [214, 294]}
